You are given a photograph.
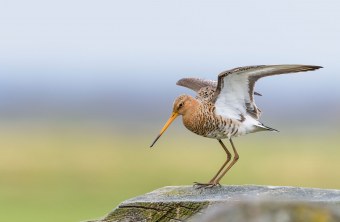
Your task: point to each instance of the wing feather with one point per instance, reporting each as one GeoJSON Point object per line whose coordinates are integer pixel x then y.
{"type": "Point", "coordinates": [196, 83]}
{"type": "Point", "coordinates": [234, 94]}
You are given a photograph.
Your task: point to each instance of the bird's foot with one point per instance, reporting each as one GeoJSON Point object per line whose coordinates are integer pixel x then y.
{"type": "Point", "coordinates": [211, 184]}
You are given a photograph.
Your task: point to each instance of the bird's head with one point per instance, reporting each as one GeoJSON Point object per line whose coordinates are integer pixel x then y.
{"type": "Point", "coordinates": [182, 105]}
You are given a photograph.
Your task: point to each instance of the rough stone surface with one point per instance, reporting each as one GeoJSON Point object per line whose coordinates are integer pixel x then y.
{"type": "Point", "coordinates": [269, 211]}
{"type": "Point", "coordinates": [230, 203]}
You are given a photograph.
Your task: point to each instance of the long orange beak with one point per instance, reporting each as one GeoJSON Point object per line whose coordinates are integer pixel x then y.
{"type": "Point", "coordinates": [167, 124]}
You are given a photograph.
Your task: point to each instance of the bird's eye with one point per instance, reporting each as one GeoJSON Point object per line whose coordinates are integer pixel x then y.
{"type": "Point", "coordinates": [180, 105]}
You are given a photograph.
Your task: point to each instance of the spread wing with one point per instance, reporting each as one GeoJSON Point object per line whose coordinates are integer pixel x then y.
{"type": "Point", "coordinates": [205, 89]}
{"type": "Point", "coordinates": [234, 94]}
{"type": "Point", "coordinates": [196, 84]}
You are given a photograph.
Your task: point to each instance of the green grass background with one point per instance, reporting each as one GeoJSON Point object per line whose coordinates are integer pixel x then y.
{"type": "Point", "coordinates": [75, 173]}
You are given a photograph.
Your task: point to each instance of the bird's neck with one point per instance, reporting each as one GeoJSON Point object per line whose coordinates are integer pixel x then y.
{"type": "Point", "coordinates": [192, 108]}
{"type": "Point", "coordinates": [192, 114]}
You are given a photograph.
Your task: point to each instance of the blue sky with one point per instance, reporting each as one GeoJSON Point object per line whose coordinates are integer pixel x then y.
{"type": "Point", "coordinates": [78, 49]}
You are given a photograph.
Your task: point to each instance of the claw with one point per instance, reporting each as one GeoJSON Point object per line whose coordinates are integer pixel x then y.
{"type": "Point", "coordinates": [211, 184]}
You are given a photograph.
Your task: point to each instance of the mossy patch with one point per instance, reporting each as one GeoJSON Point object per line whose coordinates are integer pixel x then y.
{"type": "Point", "coordinates": [150, 212]}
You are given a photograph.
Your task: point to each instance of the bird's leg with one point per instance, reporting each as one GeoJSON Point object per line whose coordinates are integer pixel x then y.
{"type": "Point", "coordinates": [225, 163]}
{"type": "Point", "coordinates": [212, 181]}
{"type": "Point", "coordinates": [236, 157]}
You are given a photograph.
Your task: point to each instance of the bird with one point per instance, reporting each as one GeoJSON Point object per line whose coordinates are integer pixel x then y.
{"type": "Point", "coordinates": [225, 109]}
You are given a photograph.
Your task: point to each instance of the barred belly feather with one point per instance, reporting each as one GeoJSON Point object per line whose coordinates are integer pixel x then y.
{"type": "Point", "coordinates": [205, 122]}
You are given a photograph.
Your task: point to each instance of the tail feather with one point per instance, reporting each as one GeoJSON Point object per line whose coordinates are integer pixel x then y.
{"type": "Point", "coordinates": [267, 128]}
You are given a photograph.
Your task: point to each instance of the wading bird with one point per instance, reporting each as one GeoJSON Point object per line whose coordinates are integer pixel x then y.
{"type": "Point", "coordinates": [225, 109]}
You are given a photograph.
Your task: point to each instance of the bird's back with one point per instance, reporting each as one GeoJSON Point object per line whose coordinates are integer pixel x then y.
{"type": "Point", "coordinates": [206, 94]}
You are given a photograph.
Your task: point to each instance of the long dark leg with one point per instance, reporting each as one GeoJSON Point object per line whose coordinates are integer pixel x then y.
{"type": "Point", "coordinates": [211, 182]}
{"type": "Point", "coordinates": [236, 157]}
{"type": "Point", "coordinates": [225, 163]}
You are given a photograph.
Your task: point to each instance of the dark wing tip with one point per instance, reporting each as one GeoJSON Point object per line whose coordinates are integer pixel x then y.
{"type": "Point", "coordinates": [304, 68]}
{"type": "Point", "coordinates": [188, 83]}
{"type": "Point", "coordinates": [195, 83]}
{"type": "Point", "coordinates": [313, 67]}
{"type": "Point", "coordinates": [181, 82]}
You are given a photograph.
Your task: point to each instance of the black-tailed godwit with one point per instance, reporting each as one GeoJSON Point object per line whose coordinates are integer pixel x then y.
{"type": "Point", "coordinates": [225, 108]}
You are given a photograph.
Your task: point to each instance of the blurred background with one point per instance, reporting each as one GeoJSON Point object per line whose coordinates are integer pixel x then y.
{"type": "Point", "coordinates": [85, 87]}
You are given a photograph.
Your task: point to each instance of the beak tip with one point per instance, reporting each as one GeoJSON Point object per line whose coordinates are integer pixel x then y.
{"type": "Point", "coordinates": [172, 118]}
{"type": "Point", "coordinates": [153, 143]}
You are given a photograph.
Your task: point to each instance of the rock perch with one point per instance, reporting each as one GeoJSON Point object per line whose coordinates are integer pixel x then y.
{"type": "Point", "coordinates": [230, 203]}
